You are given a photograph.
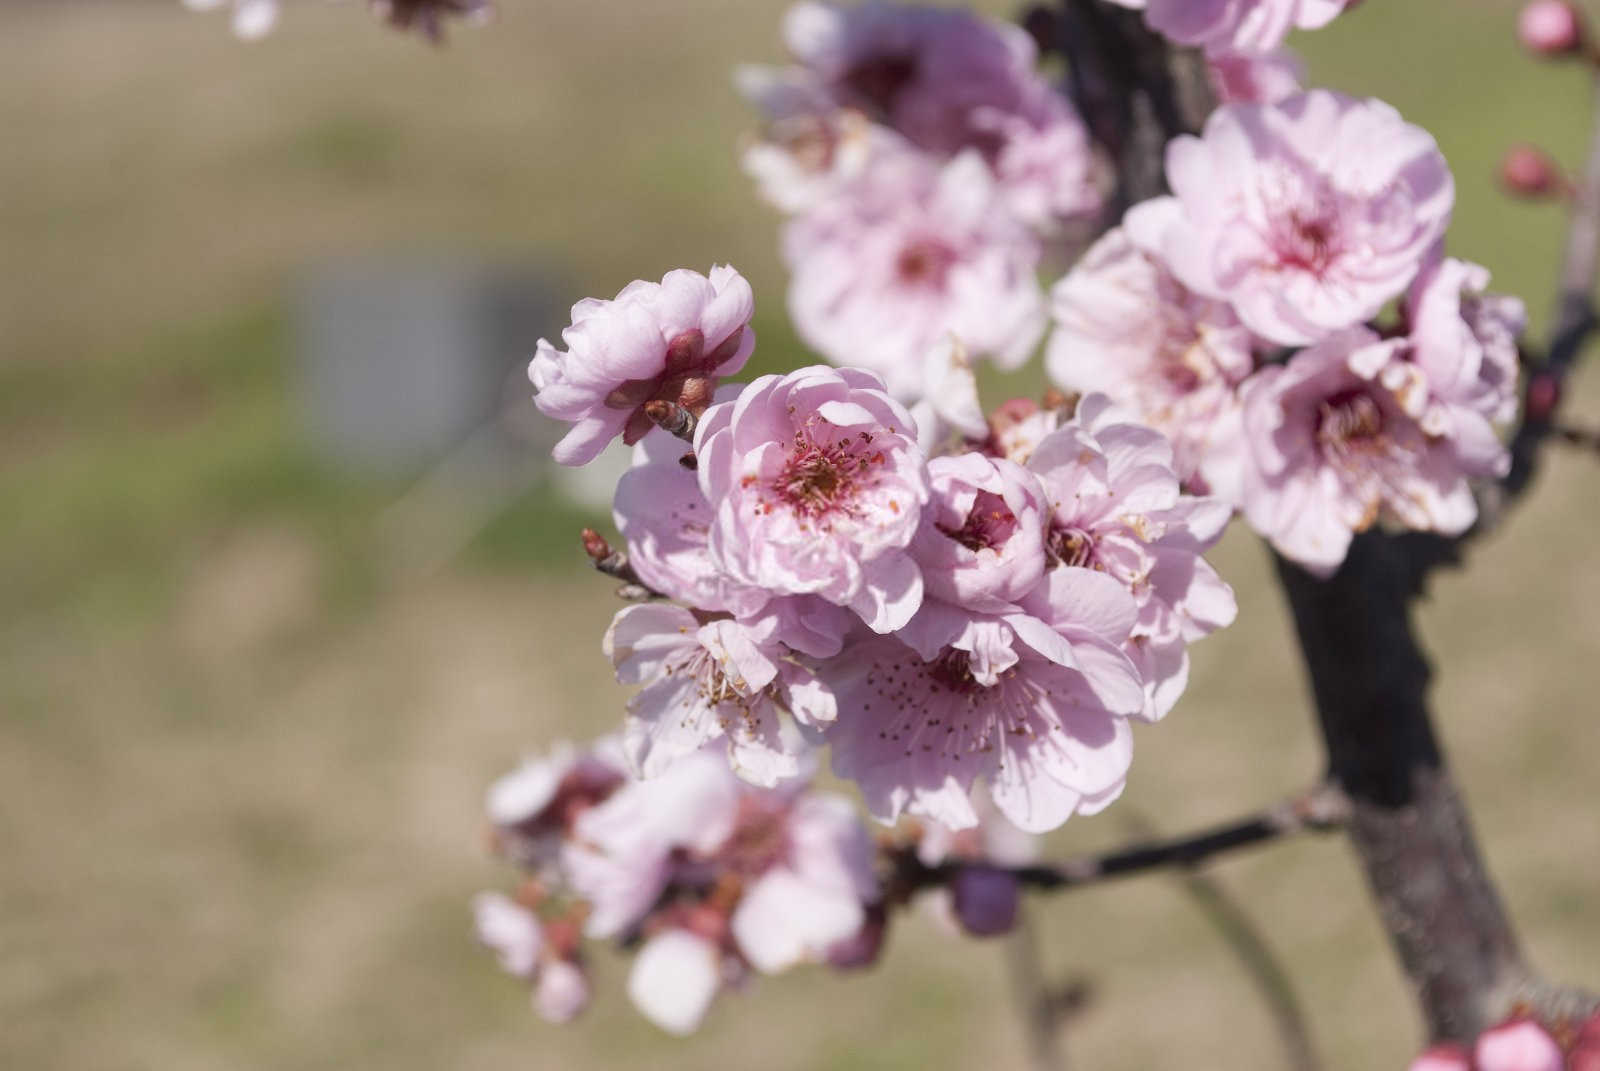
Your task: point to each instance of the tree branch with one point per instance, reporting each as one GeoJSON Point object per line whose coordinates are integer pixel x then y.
{"type": "Point", "coordinates": [1319, 810]}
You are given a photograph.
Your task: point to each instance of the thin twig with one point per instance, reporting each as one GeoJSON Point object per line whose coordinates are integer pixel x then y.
{"type": "Point", "coordinates": [1322, 809]}
{"type": "Point", "coordinates": [614, 563]}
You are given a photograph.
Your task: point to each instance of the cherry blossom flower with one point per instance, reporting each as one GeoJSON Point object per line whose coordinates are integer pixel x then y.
{"type": "Point", "coordinates": [252, 19]}
{"type": "Point", "coordinates": [945, 81]}
{"type": "Point", "coordinates": [1518, 1045]}
{"type": "Point", "coordinates": [1307, 216]}
{"type": "Point", "coordinates": [915, 254]}
{"type": "Point", "coordinates": [528, 950]}
{"type": "Point", "coordinates": [1050, 740]}
{"type": "Point", "coordinates": [1332, 447]}
{"type": "Point", "coordinates": [535, 805]}
{"type": "Point", "coordinates": [1223, 26]}
{"type": "Point", "coordinates": [1116, 508]}
{"type": "Point", "coordinates": [1125, 327]}
{"type": "Point", "coordinates": [816, 486]}
{"type": "Point", "coordinates": [1465, 341]}
{"type": "Point", "coordinates": [675, 978]}
{"type": "Point", "coordinates": [710, 681]}
{"type": "Point", "coordinates": [667, 341]}
{"type": "Point", "coordinates": [948, 414]}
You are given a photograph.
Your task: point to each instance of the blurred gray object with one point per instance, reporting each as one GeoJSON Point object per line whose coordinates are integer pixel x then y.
{"type": "Point", "coordinates": [404, 359]}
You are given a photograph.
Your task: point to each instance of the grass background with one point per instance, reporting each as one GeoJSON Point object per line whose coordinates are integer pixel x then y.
{"type": "Point", "coordinates": [241, 761]}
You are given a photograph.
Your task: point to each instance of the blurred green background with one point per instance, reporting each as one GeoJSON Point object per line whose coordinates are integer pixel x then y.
{"type": "Point", "coordinates": [242, 754]}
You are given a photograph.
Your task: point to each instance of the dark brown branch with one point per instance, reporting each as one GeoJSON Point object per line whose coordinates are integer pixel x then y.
{"type": "Point", "coordinates": [1320, 810]}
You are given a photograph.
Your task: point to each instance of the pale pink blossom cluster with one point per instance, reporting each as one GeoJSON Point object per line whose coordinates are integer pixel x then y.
{"type": "Point", "coordinates": [921, 158]}
{"type": "Point", "coordinates": [1238, 316]}
{"type": "Point", "coordinates": [938, 612]}
{"type": "Point", "coordinates": [1519, 1044]}
{"type": "Point", "coordinates": [707, 876]}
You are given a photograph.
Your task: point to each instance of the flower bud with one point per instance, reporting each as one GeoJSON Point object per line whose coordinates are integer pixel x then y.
{"type": "Point", "coordinates": [562, 991]}
{"type": "Point", "coordinates": [1585, 1052]}
{"type": "Point", "coordinates": [1550, 28]}
{"type": "Point", "coordinates": [1517, 1045]}
{"type": "Point", "coordinates": [1527, 171]}
{"type": "Point", "coordinates": [1544, 394]}
{"type": "Point", "coordinates": [865, 946]}
{"type": "Point", "coordinates": [1446, 1057]}
{"type": "Point", "coordinates": [986, 900]}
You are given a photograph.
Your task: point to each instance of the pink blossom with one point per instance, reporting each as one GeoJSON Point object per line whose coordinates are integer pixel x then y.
{"type": "Point", "coordinates": [561, 988]}
{"type": "Point", "coordinates": [534, 806]}
{"type": "Point", "coordinates": [946, 81]}
{"type": "Point", "coordinates": [810, 149]}
{"type": "Point", "coordinates": [1117, 510]}
{"type": "Point", "coordinates": [674, 979]}
{"type": "Point", "coordinates": [948, 414]}
{"type": "Point", "coordinates": [1222, 26]}
{"type": "Point", "coordinates": [252, 19]}
{"type": "Point", "coordinates": [666, 341]}
{"type": "Point", "coordinates": [1127, 328]}
{"type": "Point", "coordinates": [1050, 740]}
{"type": "Point", "coordinates": [1017, 428]}
{"type": "Point", "coordinates": [1550, 27]}
{"type": "Point", "coordinates": [914, 254]}
{"type": "Point", "coordinates": [705, 682]}
{"type": "Point", "coordinates": [1332, 448]}
{"type": "Point", "coordinates": [1307, 216]}
{"type": "Point", "coordinates": [1256, 78]}
{"type": "Point", "coordinates": [1465, 340]}
{"type": "Point", "coordinates": [1518, 1045]}
{"type": "Point", "coordinates": [816, 486]}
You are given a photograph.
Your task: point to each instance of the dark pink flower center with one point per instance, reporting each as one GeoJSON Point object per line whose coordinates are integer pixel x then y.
{"type": "Point", "coordinates": [987, 527]}
{"type": "Point", "coordinates": [827, 476]}
{"type": "Point", "coordinates": [1351, 422]}
{"type": "Point", "coordinates": [924, 263]}
{"type": "Point", "coordinates": [952, 671]}
{"type": "Point", "coordinates": [1071, 546]}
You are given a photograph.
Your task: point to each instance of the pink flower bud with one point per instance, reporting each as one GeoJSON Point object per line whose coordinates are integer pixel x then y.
{"type": "Point", "coordinates": [1446, 1057]}
{"type": "Point", "coordinates": [986, 900]}
{"type": "Point", "coordinates": [1550, 28]}
{"type": "Point", "coordinates": [1527, 171]}
{"type": "Point", "coordinates": [1517, 1045]}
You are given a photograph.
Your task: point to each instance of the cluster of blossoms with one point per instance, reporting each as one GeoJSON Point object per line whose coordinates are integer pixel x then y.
{"type": "Point", "coordinates": [1521, 1044]}
{"type": "Point", "coordinates": [706, 875]}
{"type": "Point", "coordinates": [942, 601]}
{"type": "Point", "coordinates": [253, 19]}
{"type": "Point", "coordinates": [1237, 316]}
{"type": "Point", "coordinates": [924, 163]}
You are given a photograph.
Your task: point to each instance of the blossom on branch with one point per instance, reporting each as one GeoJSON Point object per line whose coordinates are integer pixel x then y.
{"type": "Point", "coordinates": [1229, 26]}
{"type": "Point", "coordinates": [1306, 216]}
{"type": "Point", "coordinates": [668, 341]}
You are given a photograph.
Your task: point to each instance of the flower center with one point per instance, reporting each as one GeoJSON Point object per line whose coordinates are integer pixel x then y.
{"type": "Point", "coordinates": [953, 670]}
{"type": "Point", "coordinates": [878, 80]}
{"type": "Point", "coordinates": [924, 263]}
{"type": "Point", "coordinates": [987, 527]}
{"type": "Point", "coordinates": [1071, 546]}
{"type": "Point", "coordinates": [1351, 423]}
{"type": "Point", "coordinates": [825, 477]}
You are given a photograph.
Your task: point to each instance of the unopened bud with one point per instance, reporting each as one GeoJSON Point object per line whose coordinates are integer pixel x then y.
{"type": "Point", "coordinates": [986, 900]}
{"type": "Point", "coordinates": [1544, 394]}
{"type": "Point", "coordinates": [1517, 1045]}
{"type": "Point", "coordinates": [1528, 171]}
{"type": "Point", "coordinates": [863, 948]}
{"type": "Point", "coordinates": [1446, 1057]}
{"type": "Point", "coordinates": [595, 545]}
{"type": "Point", "coordinates": [697, 393]}
{"type": "Point", "coordinates": [685, 351]}
{"type": "Point", "coordinates": [1550, 28]}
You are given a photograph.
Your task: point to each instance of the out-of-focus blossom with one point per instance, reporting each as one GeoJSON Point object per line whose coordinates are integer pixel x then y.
{"type": "Point", "coordinates": [1307, 216]}
{"type": "Point", "coordinates": [1528, 171]}
{"type": "Point", "coordinates": [529, 951]}
{"type": "Point", "coordinates": [535, 805]}
{"type": "Point", "coordinates": [252, 19]}
{"type": "Point", "coordinates": [915, 254]}
{"type": "Point", "coordinates": [1550, 27]}
{"type": "Point", "coordinates": [943, 81]}
{"type": "Point", "coordinates": [1256, 78]}
{"type": "Point", "coordinates": [1464, 340]}
{"type": "Point", "coordinates": [1518, 1045]}
{"type": "Point", "coordinates": [427, 16]}
{"type": "Point", "coordinates": [1331, 449]}
{"type": "Point", "coordinates": [1125, 327]}
{"type": "Point", "coordinates": [948, 414]}
{"type": "Point", "coordinates": [1222, 26]}
{"type": "Point", "coordinates": [816, 486]}
{"type": "Point", "coordinates": [1117, 509]}
{"type": "Point", "coordinates": [668, 341]}
{"type": "Point", "coordinates": [1017, 427]}
{"type": "Point", "coordinates": [674, 979]}
{"type": "Point", "coordinates": [709, 682]}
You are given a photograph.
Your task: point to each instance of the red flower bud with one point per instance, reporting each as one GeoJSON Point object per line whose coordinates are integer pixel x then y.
{"type": "Point", "coordinates": [1527, 171]}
